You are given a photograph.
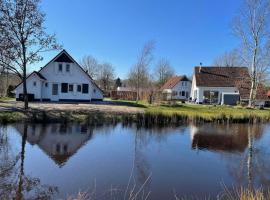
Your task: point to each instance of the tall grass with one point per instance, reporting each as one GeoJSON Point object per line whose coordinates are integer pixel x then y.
{"type": "Point", "coordinates": [245, 194]}
{"type": "Point", "coordinates": [235, 194]}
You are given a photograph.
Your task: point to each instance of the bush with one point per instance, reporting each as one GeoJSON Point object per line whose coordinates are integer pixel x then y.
{"type": "Point", "coordinates": [10, 90]}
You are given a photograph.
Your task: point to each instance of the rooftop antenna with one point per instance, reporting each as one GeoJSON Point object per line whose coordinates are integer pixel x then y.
{"type": "Point", "coordinates": [200, 67]}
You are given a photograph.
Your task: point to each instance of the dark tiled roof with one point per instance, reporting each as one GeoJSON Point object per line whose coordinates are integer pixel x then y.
{"type": "Point", "coordinates": [40, 75]}
{"type": "Point", "coordinates": [220, 76]}
{"type": "Point", "coordinates": [173, 81]}
{"type": "Point", "coordinates": [228, 77]}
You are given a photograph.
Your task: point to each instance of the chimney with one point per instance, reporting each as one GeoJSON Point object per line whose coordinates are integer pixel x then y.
{"type": "Point", "coordinates": [200, 69]}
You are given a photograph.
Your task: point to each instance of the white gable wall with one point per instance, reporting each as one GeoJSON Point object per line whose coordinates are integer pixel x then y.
{"type": "Point", "coordinates": [76, 77]}
{"type": "Point", "coordinates": [31, 89]}
{"type": "Point", "coordinates": [177, 89]}
{"type": "Point", "coordinates": [193, 92]}
{"type": "Point", "coordinates": [182, 86]}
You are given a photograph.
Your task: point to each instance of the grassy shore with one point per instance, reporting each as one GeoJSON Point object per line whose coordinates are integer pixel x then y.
{"type": "Point", "coordinates": [206, 113]}
{"type": "Point", "coordinates": [211, 113]}
{"type": "Point", "coordinates": [144, 114]}
{"type": "Point", "coordinates": [6, 98]}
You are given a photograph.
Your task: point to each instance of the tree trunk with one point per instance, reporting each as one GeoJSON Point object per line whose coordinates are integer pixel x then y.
{"type": "Point", "coordinates": [250, 158]}
{"type": "Point", "coordinates": [251, 95]}
{"type": "Point", "coordinates": [19, 192]}
{"type": "Point", "coordinates": [253, 78]}
{"type": "Point", "coordinates": [25, 95]}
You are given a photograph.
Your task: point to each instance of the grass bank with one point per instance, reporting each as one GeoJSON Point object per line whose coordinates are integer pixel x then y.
{"type": "Point", "coordinates": [165, 113]}
{"type": "Point", "coordinates": [147, 115]}
{"type": "Point", "coordinates": [6, 98]}
{"type": "Point", "coordinates": [210, 113]}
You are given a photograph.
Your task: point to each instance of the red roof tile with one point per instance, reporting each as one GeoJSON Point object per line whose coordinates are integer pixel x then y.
{"type": "Point", "coordinates": [173, 81]}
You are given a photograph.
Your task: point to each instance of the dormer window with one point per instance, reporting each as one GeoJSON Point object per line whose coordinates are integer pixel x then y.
{"type": "Point", "coordinates": [68, 68]}
{"type": "Point", "coordinates": [60, 67]}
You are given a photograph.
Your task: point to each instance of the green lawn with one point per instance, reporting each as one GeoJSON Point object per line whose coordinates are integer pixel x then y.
{"type": "Point", "coordinates": [6, 98]}
{"type": "Point", "coordinates": [210, 112]}
{"type": "Point", "coordinates": [207, 112]}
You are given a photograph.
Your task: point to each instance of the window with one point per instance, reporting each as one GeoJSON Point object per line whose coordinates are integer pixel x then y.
{"type": "Point", "coordinates": [174, 93]}
{"type": "Point", "coordinates": [64, 87]}
{"type": "Point", "coordinates": [46, 84]}
{"type": "Point", "coordinates": [70, 87]}
{"type": "Point", "coordinates": [83, 129]}
{"type": "Point", "coordinates": [65, 148]}
{"type": "Point", "coordinates": [34, 83]}
{"type": "Point", "coordinates": [58, 148]}
{"type": "Point", "coordinates": [94, 90]}
{"type": "Point", "coordinates": [63, 129]}
{"type": "Point", "coordinates": [60, 67]}
{"type": "Point", "coordinates": [67, 68]}
{"type": "Point", "coordinates": [85, 88]}
{"type": "Point", "coordinates": [54, 89]}
{"type": "Point", "coordinates": [183, 93]}
{"type": "Point", "coordinates": [210, 96]}
{"type": "Point", "coordinates": [79, 88]}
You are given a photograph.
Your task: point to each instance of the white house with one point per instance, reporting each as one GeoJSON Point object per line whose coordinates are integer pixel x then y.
{"type": "Point", "coordinates": [222, 85]}
{"type": "Point", "coordinates": [62, 79]}
{"type": "Point", "coordinates": [177, 88]}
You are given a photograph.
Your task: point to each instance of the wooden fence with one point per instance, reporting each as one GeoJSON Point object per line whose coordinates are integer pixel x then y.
{"type": "Point", "coordinates": [149, 96]}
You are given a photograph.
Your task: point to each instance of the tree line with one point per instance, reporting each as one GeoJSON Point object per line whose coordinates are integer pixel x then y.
{"type": "Point", "coordinates": [140, 76]}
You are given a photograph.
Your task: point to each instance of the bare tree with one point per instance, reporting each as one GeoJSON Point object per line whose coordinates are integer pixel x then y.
{"type": "Point", "coordinates": [90, 65]}
{"type": "Point", "coordinates": [163, 71]}
{"type": "Point", "coordinates": [106, 76]}
{"type": "Point", "coordinates": [139, 74]}
{"type": "Point", "coordinates": [229, 59]}
{"type": "Point", "coordinates": [252, 26]}
{"type": "Point", "coordinates": [23, 37]}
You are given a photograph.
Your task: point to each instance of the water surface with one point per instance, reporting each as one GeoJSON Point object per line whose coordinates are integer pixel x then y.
{"type": "Point", "coordinates": [57, 160]}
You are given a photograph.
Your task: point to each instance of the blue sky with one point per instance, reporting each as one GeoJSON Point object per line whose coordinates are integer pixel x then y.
{"type": "Point", "coordinates": [186, 32]}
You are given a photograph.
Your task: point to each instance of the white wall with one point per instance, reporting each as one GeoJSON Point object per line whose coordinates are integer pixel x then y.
{"type": "Point", "coordinates": [193, 88]}
{"type": "Point", "coordinates": [98, 94]}
{"type": "Point", "coordinates": [76, 76]}
{"type": "Point", "coordinates": [31, 89]}
{"type": "Point", "coordinates": [179, 88]}
{"type": "Point", "coordinates": [200, 91]}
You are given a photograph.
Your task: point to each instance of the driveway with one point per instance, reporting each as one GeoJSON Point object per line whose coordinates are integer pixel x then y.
{"type": "Point", "coordinates": [103, 106]}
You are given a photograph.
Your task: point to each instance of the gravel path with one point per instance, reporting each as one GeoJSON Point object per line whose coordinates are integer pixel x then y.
{"type": "Point", "coordinates": [106, 107]}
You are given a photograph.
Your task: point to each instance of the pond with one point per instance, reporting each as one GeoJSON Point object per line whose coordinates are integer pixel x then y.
{"type": "Point", "coordinates": [58, 160]}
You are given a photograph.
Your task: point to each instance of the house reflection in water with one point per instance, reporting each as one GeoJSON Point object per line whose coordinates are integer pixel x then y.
{"type": "Point", "coordinates": [228, 138]}
{"type": "Point", "coordinates": [58, 141]}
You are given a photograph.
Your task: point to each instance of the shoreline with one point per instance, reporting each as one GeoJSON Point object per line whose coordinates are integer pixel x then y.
{"type": "Point", "coordinates": [130, 112]}
{"type": "Point", "coordinates": [141, 118]}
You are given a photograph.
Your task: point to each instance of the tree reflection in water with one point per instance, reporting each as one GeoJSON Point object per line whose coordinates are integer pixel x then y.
{"type": "Point", "coordinates": [248, 161]}
{"type": "Point", "coordinates": [14, 183]}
